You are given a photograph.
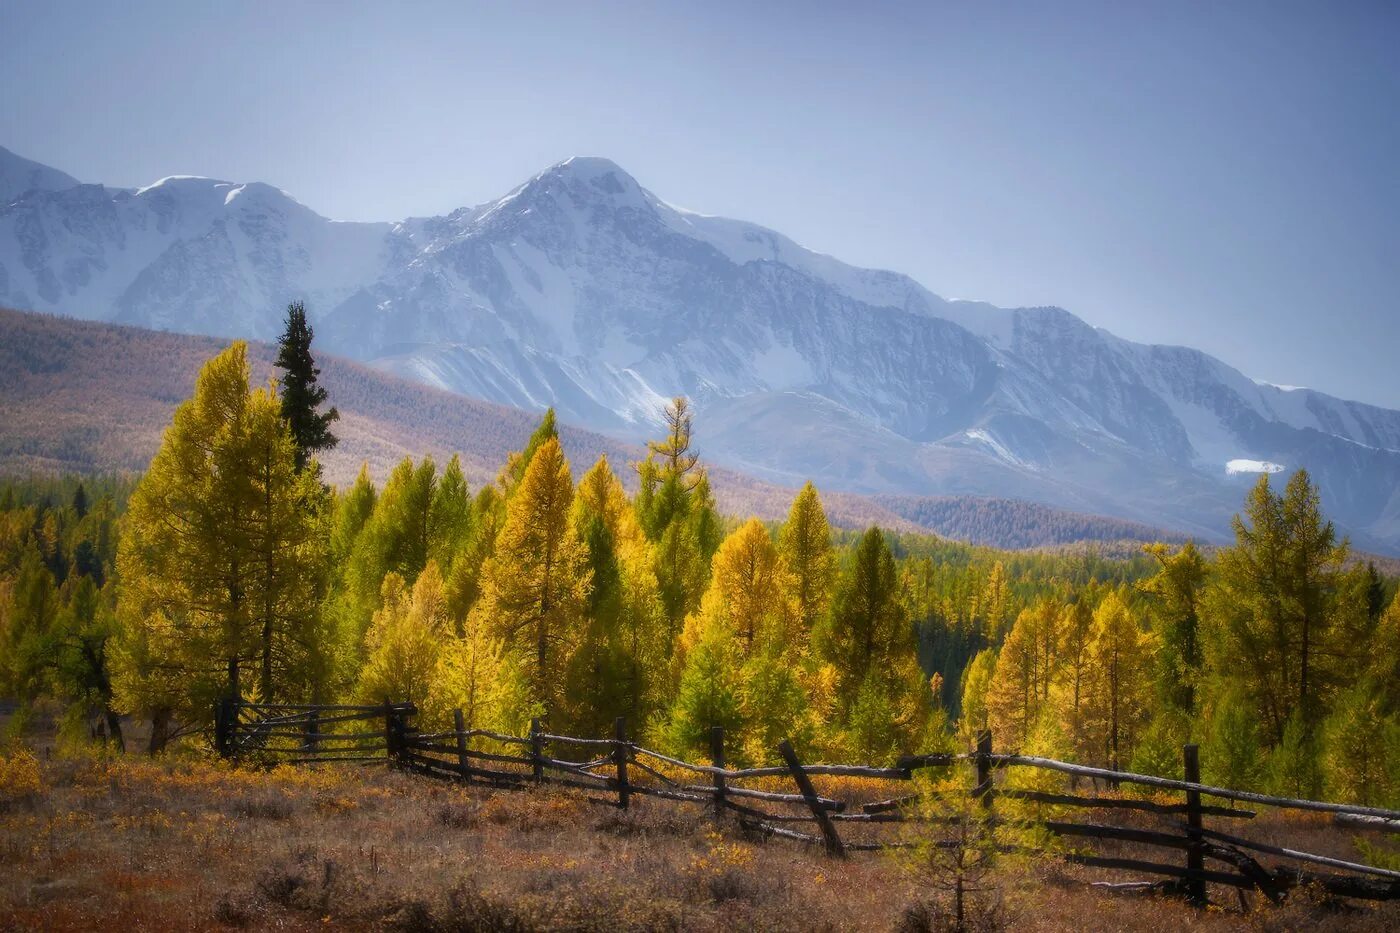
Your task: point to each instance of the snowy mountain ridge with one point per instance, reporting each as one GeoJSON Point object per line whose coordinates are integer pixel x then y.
{"type": "Point", "coordinates": [583, 290]}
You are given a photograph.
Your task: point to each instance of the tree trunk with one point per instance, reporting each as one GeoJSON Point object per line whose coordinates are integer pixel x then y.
{"type": "Point", "coordinates": [265, 685]}
{"type": "Point", "coordinates": [160, 731]}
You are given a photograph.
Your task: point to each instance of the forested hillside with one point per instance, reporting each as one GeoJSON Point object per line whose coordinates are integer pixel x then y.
{"type": "Point", "coordinates": [86, 397]}
{"type": "Point", "coordinates": [228, 565]}
{"type": "Point", "coordinates": [1015, 523]}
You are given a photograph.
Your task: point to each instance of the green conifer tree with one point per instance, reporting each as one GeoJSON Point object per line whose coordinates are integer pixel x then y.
{"type": "Point", "coordinates": [302, 393]}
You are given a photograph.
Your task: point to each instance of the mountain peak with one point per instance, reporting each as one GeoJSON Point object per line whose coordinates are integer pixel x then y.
{"type": "Point", "coordinates": [589, 168]}
{"type": "Point", "coordinates": [590, 178]}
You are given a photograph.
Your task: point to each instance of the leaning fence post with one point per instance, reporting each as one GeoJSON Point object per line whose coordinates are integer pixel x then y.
{"type": "Point", "coordinates": [536, 750]}
{"type": "Point", "coordinates": [983, 790]}
{"type": "Point", "coordinates": [620, 757]}
{"type": "Point", "coordinates": [1195, 848]}
{"type": "Point", "coordinates": [832, 841]}
{"type": "Point", "coordinates": [717, 759]}
{"type": "Point", "coordinates": [463, 766]}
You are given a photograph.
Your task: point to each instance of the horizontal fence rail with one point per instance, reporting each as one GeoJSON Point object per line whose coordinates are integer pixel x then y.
{"type": "Point", "coordinates": [767, 802]}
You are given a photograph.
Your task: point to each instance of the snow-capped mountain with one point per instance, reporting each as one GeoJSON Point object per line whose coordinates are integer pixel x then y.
{"type": "Point", "coordinates": [583, 290]}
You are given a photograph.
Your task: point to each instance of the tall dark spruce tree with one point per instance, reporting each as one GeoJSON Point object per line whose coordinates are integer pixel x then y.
{"type": "Point", "coordinates": [302, 395]}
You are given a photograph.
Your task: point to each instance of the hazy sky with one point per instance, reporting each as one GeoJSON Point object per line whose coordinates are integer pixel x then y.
{"type": "Point", "coordinates": [1224, 175]}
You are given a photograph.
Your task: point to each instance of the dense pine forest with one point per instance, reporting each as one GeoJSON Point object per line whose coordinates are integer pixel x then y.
{"type": "Point", "coordinates": [230, 565]}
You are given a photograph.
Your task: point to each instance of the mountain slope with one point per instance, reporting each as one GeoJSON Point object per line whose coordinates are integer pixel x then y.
{"type": "Point", "coordinates": [82, 396]}
{"type": "Point", "coordinates": [583, 290]}
{"type": "Point", "coordinates": [19, 176]}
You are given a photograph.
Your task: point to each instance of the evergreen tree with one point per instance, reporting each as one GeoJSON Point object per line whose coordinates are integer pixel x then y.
{"type": "Point", "coordinates": [76, 655]}
{"type": "Point", "coordinates": [599, 678]}
{"type": "Point", "coordinates": [804, 549]}
{"type": "Point", "coordinates": [710, 694]}
{"type": "Point", "coordinates": [449, 515]}
{"type": "Point", "coordinates": [869, 627]}
{"type": "Point", "coordinates": [399, 536]}
{"type": "Point", "coordinates": [26, 619]}
{"type": "Point", "coordinates": [283, 536]}
{"type": "Point", "coordinates": [1231, 755]}
{"type": "Point", "coordinates": [1359, 739]}
{"type": "Point", "coordinates": [1285, 620]}
{"type": "Point", "coordinates": [1176, 590]}
{"type": "Point", "coordinates": [618, 662]}
{"type": "Point", "coordinates": [873, 728]}
{"type": "Point", "coordinates": [1375, 592]}
{"type": "Point", "coordinates": [352, 511]}
{"type": "Point", "coordinates": [775, 705]}
{"type": "Point", "coordinates": [302, 394]}
{"type": "Point", "coordinates": [1383, 669]}
{"type": "Point", "coordinates": [1294, 765]}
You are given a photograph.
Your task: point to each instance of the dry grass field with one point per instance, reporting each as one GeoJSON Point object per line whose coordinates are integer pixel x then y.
{"type": "Point", "coordinates": [188, 844]}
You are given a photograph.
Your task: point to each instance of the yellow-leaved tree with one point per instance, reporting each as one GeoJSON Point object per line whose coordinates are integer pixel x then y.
{"type": "Point", "coordinates": [622, 648]}
{"type": "Point", "coordinates": [535, 585]}
{"type": "Point", "coordinates": [405, 639]}
{"type": "Point", "coordinates": [744, 623]}
{"type": "Point", "coordinates": [1020, 687]}
{"type": "Point", "coordinates": [804, 551]}
{"type": "Point", "coordinates": [220, 563]}
{"type": "Point", "coordinates": [474, 674]}
{"type": "Point", "coordinates": [1118, 701]}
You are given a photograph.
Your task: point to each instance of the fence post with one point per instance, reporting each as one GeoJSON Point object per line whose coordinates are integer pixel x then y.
{"type": "Point", "coordinates": [830, 838]}
{"type": "Point", "coordinates": [536, 750]}
{"type": "Point", "coordinates": [983, 790]}
{"type": "Point", "coordinates": [717, 759]}
{"type": "Point", "coordinates": [313, 727]}
{"type": "Point", "coordinates": [620, 757]}
{"type": "Point", "coordinates": [390, 744]}
{"type": "Point", "coordinates": [1195, 856]}
{"type": "Point", "coordinates": [463, 766]}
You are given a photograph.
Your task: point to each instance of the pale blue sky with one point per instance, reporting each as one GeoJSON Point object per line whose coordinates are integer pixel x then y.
{"type": "Point", "coordinates": [1224, 175]}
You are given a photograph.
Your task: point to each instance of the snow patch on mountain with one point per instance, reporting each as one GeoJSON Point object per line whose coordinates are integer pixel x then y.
{"type": "Point", "coordinates": [1236, 467]}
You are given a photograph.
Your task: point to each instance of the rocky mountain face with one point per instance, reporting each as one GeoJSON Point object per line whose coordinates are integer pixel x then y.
{"type": "Point", "coordinates": [581, 289]}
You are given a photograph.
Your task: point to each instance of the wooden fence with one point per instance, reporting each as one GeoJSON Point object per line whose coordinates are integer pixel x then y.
{"type": "Point", "coordinates": [275, 733]}
{"type": "Point", "coordinates": [1190, 854]}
